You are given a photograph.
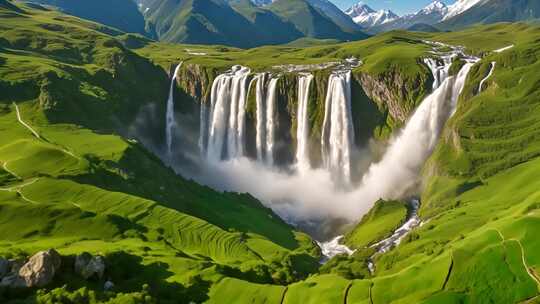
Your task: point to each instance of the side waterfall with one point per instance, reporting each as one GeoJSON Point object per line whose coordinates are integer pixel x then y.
{"type": "Point", "coordinates": [227, 121]}
{"type": "Point", "coordinates": [398, 171]}
{"type": "Point", "coordinates": [491, 70]}
{"type": "Point", "coordinates": [302, 129]}
{"type": "Point", "coordinates": [169, 118]}
{"type": "Point", "coordinates": [338, 132]}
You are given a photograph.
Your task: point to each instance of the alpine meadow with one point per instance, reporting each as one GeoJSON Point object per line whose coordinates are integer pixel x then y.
{"type": "Point", "coordinates": [269, 151]}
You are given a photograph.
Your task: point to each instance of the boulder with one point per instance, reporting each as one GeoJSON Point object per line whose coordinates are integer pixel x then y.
{"type": "Point", "coordinates": [87, 265]}
{"type": "Point", "coordinates": [40, 269]}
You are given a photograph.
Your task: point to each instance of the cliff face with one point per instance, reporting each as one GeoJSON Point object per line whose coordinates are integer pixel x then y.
{"type": "Point", "coordinates": [380, 104]}
{"type": "Point", "coordinates": [394, 93]}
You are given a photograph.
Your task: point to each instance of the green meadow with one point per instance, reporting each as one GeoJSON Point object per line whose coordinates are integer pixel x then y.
{"type": "Point", "coordinates": [84, 185]}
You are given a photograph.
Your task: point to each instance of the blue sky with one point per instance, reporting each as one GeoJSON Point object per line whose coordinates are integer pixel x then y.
{"type": "Point", "coordinates": [398, 6]}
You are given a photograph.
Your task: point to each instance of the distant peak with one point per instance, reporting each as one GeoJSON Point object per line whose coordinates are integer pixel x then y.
{"type": "Point", "coordinates": [358, 9]}
{"type": "Point", "coordinates": [434, 7]}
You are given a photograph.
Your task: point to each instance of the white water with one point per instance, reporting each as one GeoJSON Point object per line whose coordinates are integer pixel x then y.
{"type": "Point", "coordinates": [270, 121]}
{"type": "Point", "coordinates": [261, 124]}
{"type": "Point", "coordinates": [170, 120]}
{"type": "Point", "coordinates": [227, 121]}
{"type": "Point", "coordinates": [337, 132]}
{"type": "Point", "coordinates": [397, 173]}
{"type": "Point", "coordinates": [332, 248]}
{"type": "Point", "coordinates": [297, 198]}
{"type": "Point", "coordinates": [302, 129]}
{"type": "Point", "coordinates": [491, 70]}
{"type": "Point", "coordinates": [440, 72]}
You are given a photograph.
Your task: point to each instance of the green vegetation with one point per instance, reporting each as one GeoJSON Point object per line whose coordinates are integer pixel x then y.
{"type": "Point", "coordinates": [82, 186]}
{"type": "Point", "coordinates": [380, 222]}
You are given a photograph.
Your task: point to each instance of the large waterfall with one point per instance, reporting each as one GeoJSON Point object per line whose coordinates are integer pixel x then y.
{"type": "Point", "coordinates": [227, 115]}
{"type": "Point", "coordinates": [337, 131]}
{"type": "Point", "coordinates": [300, 193]}
{"type": "Point", "coordinates": [302, 128]}
{"type": "Point", "coordinates": [169, 119]}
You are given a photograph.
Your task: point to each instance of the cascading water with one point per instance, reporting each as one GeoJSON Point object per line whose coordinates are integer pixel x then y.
{"type": "Point", "coordinates": [261, 123]}
{"type": "Point", "coordinates": [225, 136]}
{"type": "Point", "coordinates": [337, 132]}
{"type": "Point", "coordinates": [491, 70]}
{"type": "Point", "coordinates": [227, 117]}
{"type": "Point", "coordinates": [169, 118]}
{"type": "Point", "coordinates": [270, 121]}
{"type": "Point", "coordinates": [398, 171]}
{"type": "Point", "coordinates": [302, 131]}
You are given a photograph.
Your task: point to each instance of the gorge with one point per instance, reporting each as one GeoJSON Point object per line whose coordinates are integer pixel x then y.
{"type": "Point", "coordinates": [248, 107]}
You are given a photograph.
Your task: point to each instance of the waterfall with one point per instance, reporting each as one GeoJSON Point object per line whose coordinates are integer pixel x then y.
{"type": "Point", "coordinates": [227, 117]}
{"type": "Point", "coordinates": [397, 172]}
{"type": "Point", "coordinates": [261, 123]}
{"type": "Point", "coordinates": [491, 69]}
{"type": "Point", "coordinates": [338, 133]}
{"type": "Point", "coordinates": [270, 121]}
{"type": "Point", "coordinates": [169, 116]}
{"type": "Point", "coordinates": [302, 128]}
{"type": "Point", "coordinates": [440, 72]}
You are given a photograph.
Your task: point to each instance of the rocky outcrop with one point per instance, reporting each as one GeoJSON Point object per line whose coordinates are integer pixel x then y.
{"type": "Point", "coordinates": [37, 272]}
{"type": "Point", "coordinates": [88, 266]}
{"type": "Point", "coordinates": [393, 92]}
{"type": "Point", "coordinates": [196, 81]}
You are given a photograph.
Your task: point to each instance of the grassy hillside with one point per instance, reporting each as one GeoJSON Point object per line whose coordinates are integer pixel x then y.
{"type": "Point", "coordinates": [69, 182]}
{"type": "Point", "coordinates": [121, 14]}
{"type": "Point", "coordinates": [70, 179]}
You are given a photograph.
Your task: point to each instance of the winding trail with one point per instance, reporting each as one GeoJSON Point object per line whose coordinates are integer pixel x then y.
{"type": "Point", "coordinates": [21, 121]}
{"type": "Point", "coordinates": [4, 166]}
{"type": "Point", "coordinates": [529, 270]}
{"type": "Point", "coordinates": [17, 189]}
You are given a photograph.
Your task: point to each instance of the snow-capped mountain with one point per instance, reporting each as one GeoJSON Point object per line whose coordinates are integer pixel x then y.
{"type": "Point", "coordinates": [460, 6]}
{"type": "Point", "coordinates": [366, 17]}
{"type": "Point", "coordinates": [429, 15]}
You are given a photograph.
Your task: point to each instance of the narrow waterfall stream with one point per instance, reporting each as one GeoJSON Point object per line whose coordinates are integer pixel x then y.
{"type": "Point", "coordinates": [491, 70]}
{"type": "Point", "coordinates": [170, 120]}
{"type": "Point", "coordinates": [271, 121]}
{"type": "Point", "coordinates": [337, 131]}
{"type": "Point", "coordinates": [302, 129]}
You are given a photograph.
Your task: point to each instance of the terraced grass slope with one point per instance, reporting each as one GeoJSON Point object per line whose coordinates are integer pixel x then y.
{"type": "Point", "coordinates": [68, 181]}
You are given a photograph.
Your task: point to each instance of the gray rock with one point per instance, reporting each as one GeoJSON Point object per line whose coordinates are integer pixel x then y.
{"type": "Point", "coordinates": [40, 268]}
{"type": "Point", "coordinates": [5, 267]}
{"type": "Point", "coordinates": [108, 285]}
{"type": "Point", "coordinates": [87, 265]}
{"type": "Point", "coordinates": [13, 280]}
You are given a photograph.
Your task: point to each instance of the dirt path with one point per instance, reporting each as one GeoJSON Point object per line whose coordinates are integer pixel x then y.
{"type": "Point", "coordinates": [17, 189]}
{"type": "Point", "coordinates": [19, 118]}
{"type": "Point", "coordinates": [530, 271]}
